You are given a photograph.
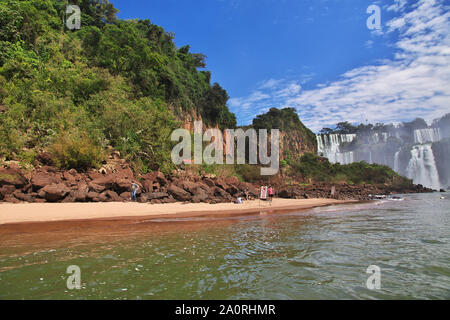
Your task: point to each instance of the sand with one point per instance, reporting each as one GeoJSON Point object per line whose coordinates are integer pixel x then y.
{"type": "Point", "coordinates": [50, 212]}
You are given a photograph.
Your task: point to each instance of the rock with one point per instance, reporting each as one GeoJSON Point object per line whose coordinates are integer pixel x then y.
{"type": "Point", "coordinates": [201, 196]}
{"type": "Point", "coordinates": [221, 184]}
{"type": "Point", "coordinates": [285, 194]}
{"type": "Point", "coordinates": [189, 186]}
{"type": "Point", "coordinates": [6, 190]}
{"type": "Point", "coordinates": [106, 181]}
{"type": "Point", "coordinates": [111, 196]}
{"type": "Point", "coordinates": [142, 198]}
{"type": "Point", "coordinates": [23, 196]}
{"type": "Point", "coordinates": [233, 190]}
{"type": "Point", "coordinates": [96, 187]}
{"type": "Point", "coordinates": [232, 180]}
{"type": "Point", "coordinates": [153, 181]}
{"type": "Point", "coordinates": [92, 195]}
{"type": "Point", "coordinates": [42, 179]}
{"type": "Point", "coordinates": [179, 193]}
{"type": "Point", "coordinates": [55, 192]}
{"type": "Point", "coordinates": [45, 158]}
{"type": "Point", "coordinates": [11, 199]}
{"type": "Point", "coordinates": [12, 176]}
{"type": "Point", "coordinates": [157, 195]}
{"type": "Point", "coordinates": [209, 182]}
{"type": "Point", "coordinates": [125, 195]}
{"type": "Point", "coordinates": [123, 185]}
{"type": "Point", "coordinates": [79, 195]}
{"type": "Point", "coordinates": [222, 194]}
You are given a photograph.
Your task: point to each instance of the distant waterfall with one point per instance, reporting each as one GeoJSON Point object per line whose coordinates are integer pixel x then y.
{"type": "Point", "coordinates": [418, 164]}
{"type": "Point", "coordinates": [330, 147]}
{"type": "Point", "coordinates": [422, 167]}
{"type": "Point", "coordinates": [427, 135]}
{"type": "Point", "coordinates": [397, 162]}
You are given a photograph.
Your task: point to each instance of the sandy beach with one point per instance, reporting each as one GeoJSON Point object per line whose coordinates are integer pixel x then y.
{"type": "Point", "coordinates": [51, 212]}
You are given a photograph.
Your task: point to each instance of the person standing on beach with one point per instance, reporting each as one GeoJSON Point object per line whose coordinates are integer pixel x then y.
{"type": "Point", "coordinates": [271, 192]}
{"type": "Point", "coordinates": [134, 188]}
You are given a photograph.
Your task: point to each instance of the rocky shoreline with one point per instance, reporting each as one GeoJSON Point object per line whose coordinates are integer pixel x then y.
{"type": "Point", "coordinates": [113, 184]}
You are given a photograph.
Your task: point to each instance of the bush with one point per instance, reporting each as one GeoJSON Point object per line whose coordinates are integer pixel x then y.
{"type": "Point", "coordinates": [76, 151]}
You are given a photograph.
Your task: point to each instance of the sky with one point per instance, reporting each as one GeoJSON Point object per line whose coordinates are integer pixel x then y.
{"type": "Point", "coordinates": [317, 56]}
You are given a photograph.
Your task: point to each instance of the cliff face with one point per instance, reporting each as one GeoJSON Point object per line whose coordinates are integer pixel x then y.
{"type": "Point", "coordinates": [294, 144]}
{"type": "Point", "coordinates": [295, 138]}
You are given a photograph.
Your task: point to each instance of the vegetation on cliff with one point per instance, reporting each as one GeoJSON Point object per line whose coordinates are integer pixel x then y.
{"type": "Point", "coordinates": [113, 83]}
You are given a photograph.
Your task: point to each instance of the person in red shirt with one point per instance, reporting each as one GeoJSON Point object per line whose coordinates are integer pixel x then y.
{"type": "Point", "coordinates": [271, 193]}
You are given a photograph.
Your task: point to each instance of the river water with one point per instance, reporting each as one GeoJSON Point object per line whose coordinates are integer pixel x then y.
{"type": "Point", "coordinates": [322, 253]}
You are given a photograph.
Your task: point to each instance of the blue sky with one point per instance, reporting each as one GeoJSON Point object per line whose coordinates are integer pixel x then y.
{"type": "Point", "coordinates": [317, 56]}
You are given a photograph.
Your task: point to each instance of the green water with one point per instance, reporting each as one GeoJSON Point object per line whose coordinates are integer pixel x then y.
{"type": "Point", "coordinates": [319, 254]}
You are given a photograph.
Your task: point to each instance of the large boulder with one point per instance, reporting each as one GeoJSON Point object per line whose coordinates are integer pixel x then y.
{"type": "Point", "coordinates": [123, 185]}
{"type": "Point", "coordinates": [6, 190]}
{"type": "Point", "coordinates": [96, 187]}
{"type": "Point", "coordinates": [157, 195]}
{"type": "Point", "coordinates": [23, 196]}
{"type": "Point", "coordinates": [179, 193]}
{"type": "Point", "coordinates": [12, 176]}
{"type": "Point", "coordinates": [111, 196]}
{"type": "Point", "coordinates": [43, 178]}
{"type": "Point", "coordinates": [106, 181]}
{"type": "Point", "coordinates": [55, 192]}
{"type": "Point", "coordinates": [153, 181]}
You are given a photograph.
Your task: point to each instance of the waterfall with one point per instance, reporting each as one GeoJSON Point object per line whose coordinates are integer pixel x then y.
{"type": "Point", "coordinates": [422, 136]}
{"type": "Point", "coordinates": [397, 162]}
{"type": "Point", "coordinates": [330, 147]}
{"type": "Point", "coordinates": [422, 167]}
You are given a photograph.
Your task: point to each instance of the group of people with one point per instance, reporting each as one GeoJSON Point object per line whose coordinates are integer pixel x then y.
{"type": "Point", "coordinates": [266, 192]}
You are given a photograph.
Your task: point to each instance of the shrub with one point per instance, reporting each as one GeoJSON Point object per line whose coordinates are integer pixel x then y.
{"type": "Point", "coordinates": [76, 151]}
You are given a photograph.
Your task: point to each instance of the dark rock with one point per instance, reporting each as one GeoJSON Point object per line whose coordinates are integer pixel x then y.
{"type": "Point", "coordinates": [106, 181]}
{"type": "Point", "coordinates": [110, 196]}
{"type": "Point", "coordinates": [96, 187]}
{"type": "Point", "coordinates": [12, 176]}
{"type": "Point", "coordinates": [92, 195]}
{"type": "Point", "coordinates": [23, 196]}
{"type": "Point", "coordinates": [157, 195]}
{"type": "Point", "coordinates": [55, 192]}
{"type": "Point", "coordinates": [285, 194]}
{"type": "Point", "coordinates": [123, 185]}
{"type": "Point", "coordinates": [45, 158]}
{"type": "Point", "coordinates": [142, 198]}
{"type": "Point", "coordinates": [6, 190]}
{"type": "Point", "coordinates": [209, 182]}
{"type": "Point", "coordinates": [11, 199]}
{"type": "Point", "coordinates": [126, 195]}
{"type": "Point", "coordinates": [179, 193]}
{"type": "Point", "coordinates": [42, 179]}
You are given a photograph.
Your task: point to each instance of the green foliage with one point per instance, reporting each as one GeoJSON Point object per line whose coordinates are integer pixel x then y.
{"type": "Point", "coordinates": [321, 170]}
{"type": "Point", "coordinates": [113, 83]}
{"type": "Point", "coordinates": [76, 150]}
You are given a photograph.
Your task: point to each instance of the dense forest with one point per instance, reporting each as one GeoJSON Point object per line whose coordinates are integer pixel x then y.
{"type": "Point", "coordinates": [112, 83]}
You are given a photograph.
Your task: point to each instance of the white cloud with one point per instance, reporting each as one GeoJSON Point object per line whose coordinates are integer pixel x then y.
{"type": "Point", "coordinates": [415, 83]}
